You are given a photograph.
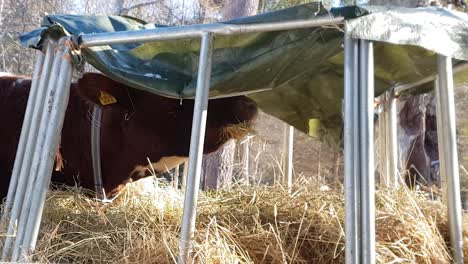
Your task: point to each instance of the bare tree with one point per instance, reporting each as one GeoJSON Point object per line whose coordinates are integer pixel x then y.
{"type": "Point", "coordinates": [16, 18]}
{"type": "Point", "coordinates": [218, 166]}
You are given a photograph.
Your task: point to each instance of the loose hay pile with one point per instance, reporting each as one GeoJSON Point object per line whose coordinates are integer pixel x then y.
{"type": "Point", "coordinates": [248, 225]}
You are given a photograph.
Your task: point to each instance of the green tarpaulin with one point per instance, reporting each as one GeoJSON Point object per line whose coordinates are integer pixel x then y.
{"type": "Point", "coordinates": [294, 75]}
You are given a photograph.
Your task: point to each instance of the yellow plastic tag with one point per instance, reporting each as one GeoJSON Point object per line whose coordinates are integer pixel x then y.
{"type": "Point", "coordinates": [107, 99]}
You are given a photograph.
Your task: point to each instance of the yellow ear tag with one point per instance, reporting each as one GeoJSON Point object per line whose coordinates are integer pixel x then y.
{"type": "Point", "coordinates": [107, 99]}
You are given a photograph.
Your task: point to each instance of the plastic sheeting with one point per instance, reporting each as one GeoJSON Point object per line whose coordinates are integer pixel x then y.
{"type": "Point", "coordinates": [295, 75]}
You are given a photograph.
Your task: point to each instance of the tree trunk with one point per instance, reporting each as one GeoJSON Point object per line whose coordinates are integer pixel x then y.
{"type": "Point", "coordinates": [118, 7]}
{"type": "Point", "coordinates": [218, 166]}
{"type": "Point", "coordinates": [239, 8]}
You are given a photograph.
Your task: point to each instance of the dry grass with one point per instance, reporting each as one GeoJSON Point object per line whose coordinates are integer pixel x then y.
{"type": "Point", "coordinates": [237, 131]}
{"type": "Point", "coordinates": [244, 225]}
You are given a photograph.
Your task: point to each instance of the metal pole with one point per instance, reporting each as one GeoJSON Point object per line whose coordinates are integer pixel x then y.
{"type": "Point", "coordinates": [384, 139]}
{"type": "Point", "coordinates": [196, 147]}
{"type": "Point", "coordinates": [367, 151]}
{"type": "Point", "coordinates": [24, 135]}
{"type": "Point", "coordinates": [403, 87]}
{"type": "Point", "coordinates": [351, 203]}
{"type": "Point", "coordinates": [245, 169]}
{"type": "Point", "coordinates": [184, 176]}
{"type": "Point", "coordinates": [175, 178]}
{"type": "Point", "coordinates": [289, 170]}
{"type": "Point", "coordinates": [37, 158]}
{"type": "Point", "coordinates": [195, 31]}
{"type": "Point", "coordinates": [284, 156]}
{"type": "Point", "coordinates": [440, 135]}
{"type": "Point", "coordinates": [58, 109]}
{"type": "Point", "coordinates": [392, 155]}
{"type": "Point", "coordinates": [445, 100]}
{"type": "Point", "coordinates": [24, 179]}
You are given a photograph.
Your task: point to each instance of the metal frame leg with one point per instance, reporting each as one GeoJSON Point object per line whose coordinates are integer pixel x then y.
{"type": "Point", "coordinates": [48, 114]}
{"type": "Point", "coordinates": [196, 147]}
{"type": "Point", "coordinates": [31, 145]}
{"type": "Point", "coordinates": [367, 151]}
{"type": "Point", "coordinates": [37, 158]}
{"type": "Point", "coordinates": [359, 151]}
{"type": "Point", "coordinates": [289, 158]}
{"type": "Point", "coordinates": [246, 161]}
{"type": "Point", "coordinates": [58, 108]}
{"type": "Point", "coordinates": [351, 166]}
{"type": "Point", "coordinates": [448, 152]}
{"type": "Point", "coordinates": [23, 136]}
{"type": "Point", "coordinates": [383, 139]}
{"type": "Point", "coordinates": [392, 154]}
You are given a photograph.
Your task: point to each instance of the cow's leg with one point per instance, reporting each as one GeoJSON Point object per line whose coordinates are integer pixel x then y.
{"type": "Point", "coordinates": [5, 176]}
{"type": "Point", "coordinates": [163, 165]}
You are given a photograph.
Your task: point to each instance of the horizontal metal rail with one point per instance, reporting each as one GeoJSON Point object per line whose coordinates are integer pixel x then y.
{"type": "Point", "coordinates": [196, 31]}
{"type": "Point", "coordinates": [407, 86]}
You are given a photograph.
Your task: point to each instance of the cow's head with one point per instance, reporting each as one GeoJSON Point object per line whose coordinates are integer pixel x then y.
{"type": "Point", "coordinates": [164, 122]}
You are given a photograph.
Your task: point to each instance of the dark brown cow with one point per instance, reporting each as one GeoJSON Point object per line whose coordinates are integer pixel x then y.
{"type": "Point", "coordinates": [419, 141]}
{"type": "Point", "coordinates": [138, 126]}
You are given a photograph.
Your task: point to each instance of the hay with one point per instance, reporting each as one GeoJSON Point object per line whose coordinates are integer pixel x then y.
{"type": "Point", "coordinates": [236, 131]}
{"type": "Point", "coordinates": [244, 225]}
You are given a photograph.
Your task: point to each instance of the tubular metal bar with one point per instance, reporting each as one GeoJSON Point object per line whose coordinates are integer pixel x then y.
{"type": "Point", "coordinates": [58, 109]}
{"type": "Point", "coordinates": [445, 100]}
{"type": "Point", "coordinates": [383, 139]}
{"type": "Point", "coordinates": [184, 176]}
{"type": "Point", "coordinates": [23, 137]}
{"type": "Point", "coordinates": [196, 147]}
{"type": "Point", "coordinates": [392, 154]}
{"type": "Point", "coordinates": [357, 150]}
{"type": "Point", "coordinates": [289, 170]}
{"type": "Point", "coordinates": [407, 86]}
{"type": "Point", "coordinates": [351, 168]}
{"type": "Point", "coordinates": [367, 151]}
{"type": "Point", "coordinates": [282, 178]}
{"type": "Point", "coordinates": [440, 136]}
{"type": "Point", "coordinates": [175, 178]}
{"type": "Point", "coordinates": [245, 169]}
{"type": "Point", "coordinates": [24, 179]}
{"type": "Point", "coordinates": [195, 31]}
{"type": "Point", "coordinates": [96, 152]}
{"type": "Point", "coordinates": [36, 158]}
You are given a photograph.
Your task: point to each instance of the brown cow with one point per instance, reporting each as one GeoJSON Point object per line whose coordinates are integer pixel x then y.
{"type": "Point", "coordinates": [138, 126]}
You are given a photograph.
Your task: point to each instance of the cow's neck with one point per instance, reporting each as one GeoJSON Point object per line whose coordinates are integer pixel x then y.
{"type": "Point", "coordinates": [75, 144]}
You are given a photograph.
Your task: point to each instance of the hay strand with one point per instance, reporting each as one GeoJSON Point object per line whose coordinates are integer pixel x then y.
{"type": "Point", "coordinates": [252, 225]}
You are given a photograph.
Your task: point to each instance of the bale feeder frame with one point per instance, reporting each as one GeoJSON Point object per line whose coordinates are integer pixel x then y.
{"type": "Point", "coordinates": [50, 90]}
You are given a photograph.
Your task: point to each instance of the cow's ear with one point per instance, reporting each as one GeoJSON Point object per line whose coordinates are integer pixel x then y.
{"type": "Point", "coordinates": [101, 90]}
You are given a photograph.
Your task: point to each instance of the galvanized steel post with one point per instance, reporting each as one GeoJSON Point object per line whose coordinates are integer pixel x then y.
{"type": "Point", "coordinates": [175, 177]}
{"type": "Point", "coordinates": [351, 167]}
{"type": "Point", "coordinates": [184, 176]}
{"type": "Point", "coordinates": [37, 159]}
{"type": "Point", "coordinates": [289, 168]}
{"type": "Point", "coordinates": [23, 178]}
{"type": "Point", "coordinates": [57, 107]}
{"type": "Point", "coordinates": [23, 136]}
{"type": "Point", "coordinates": [246, 161]}
{"type": "Point", "coordinates": [383, 140]}
{"type": "Point", "coordinates": [366, 89]}
{"type": "Point", "coordinates": [448, 153]}
{"type": "Point", "coordinates": [196, 147]}
{"type": "Point", "coordinates": [359, 151]}
{"type": "Point", "coordinates": [392, 142]}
